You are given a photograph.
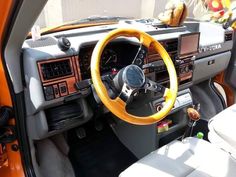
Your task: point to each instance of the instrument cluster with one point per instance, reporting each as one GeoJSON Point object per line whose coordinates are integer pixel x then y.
{"type": "Point", "coordinates": [114, 58]}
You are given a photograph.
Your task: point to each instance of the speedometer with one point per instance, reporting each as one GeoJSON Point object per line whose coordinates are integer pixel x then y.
{"type": "Point", "coordinates": [109, 59]}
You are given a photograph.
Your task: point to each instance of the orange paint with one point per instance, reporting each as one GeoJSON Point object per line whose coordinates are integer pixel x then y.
{"type": "Point", "coordinates": [65, 27]}
{"type": "Point", "coordinates": [13, 166]}
{"type": "Point", "coordinates": [228, 90]}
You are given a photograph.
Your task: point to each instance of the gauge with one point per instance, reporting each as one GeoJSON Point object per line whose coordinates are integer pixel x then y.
{"type": "Point", "coordinates": [108, 59]}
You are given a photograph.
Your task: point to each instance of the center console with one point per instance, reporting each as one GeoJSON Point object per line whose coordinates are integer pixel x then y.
{"type": "Point", "coordinates": [174, 125]}
{"type": "Point", "coordinates": [183, 56]}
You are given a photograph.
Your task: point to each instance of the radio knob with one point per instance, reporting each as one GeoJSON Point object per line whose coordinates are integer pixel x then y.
{"type": "Point", "coordinates": [138, 61]}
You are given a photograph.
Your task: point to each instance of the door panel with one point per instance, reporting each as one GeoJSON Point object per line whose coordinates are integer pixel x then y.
{"type": "Point", "coordinates": [10, 159]}
{"type": "Point", "coordinates": [230, 74]}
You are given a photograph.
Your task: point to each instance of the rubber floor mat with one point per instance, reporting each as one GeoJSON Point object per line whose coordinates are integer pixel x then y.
{"type": "Point", "coordinates": [99, 154]}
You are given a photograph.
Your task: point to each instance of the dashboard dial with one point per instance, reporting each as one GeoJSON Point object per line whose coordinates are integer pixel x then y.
{"type": "Point", "coordinates": [109, 59]}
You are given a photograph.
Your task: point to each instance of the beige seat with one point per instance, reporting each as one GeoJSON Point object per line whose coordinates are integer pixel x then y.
{"type": "Point", "coordinates": [222, 130]}
{"type": "Point", "coordinates": [191, 158]}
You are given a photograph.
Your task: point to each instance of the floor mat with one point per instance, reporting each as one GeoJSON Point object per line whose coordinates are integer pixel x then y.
{"type": "Point", "coordinates": [100, 154]}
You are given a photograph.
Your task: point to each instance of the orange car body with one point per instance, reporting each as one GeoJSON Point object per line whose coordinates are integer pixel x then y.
{"type": "Point", "coordinates": [10, 160]}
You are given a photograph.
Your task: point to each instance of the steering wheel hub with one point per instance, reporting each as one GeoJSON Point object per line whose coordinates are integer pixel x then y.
{"type": "Point", "coordinates": [133, 76]}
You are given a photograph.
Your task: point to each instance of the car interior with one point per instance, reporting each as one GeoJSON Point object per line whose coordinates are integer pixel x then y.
{"type": "Point", "coordinates": [132, 98]}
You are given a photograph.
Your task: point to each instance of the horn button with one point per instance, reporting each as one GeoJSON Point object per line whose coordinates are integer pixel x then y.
{"type": "Point", "coordinates": [133, 76]}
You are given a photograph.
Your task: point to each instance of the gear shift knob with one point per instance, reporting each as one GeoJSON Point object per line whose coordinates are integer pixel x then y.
{"type": "Point", "coordinates": [193, 114]}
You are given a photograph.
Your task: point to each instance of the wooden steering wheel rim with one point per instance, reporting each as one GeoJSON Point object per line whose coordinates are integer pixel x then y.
{"type": "Point", "coordinates": [117, 106]}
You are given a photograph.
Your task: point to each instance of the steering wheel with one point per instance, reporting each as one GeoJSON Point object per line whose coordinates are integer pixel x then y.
{"type": "Point", "coordinates": [132, 78]}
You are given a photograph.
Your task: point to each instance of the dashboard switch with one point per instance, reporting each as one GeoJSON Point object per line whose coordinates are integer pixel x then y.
{"type": "Point", "coordinates": [56, 91]}
{"type": "Point", "coordinates": [48, 92]}
{"type": "Point", "coordinates": [63, 89]}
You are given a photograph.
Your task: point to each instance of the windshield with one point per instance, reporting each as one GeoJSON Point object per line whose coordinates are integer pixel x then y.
{"type": "Point", "coordinates": [59, 12]}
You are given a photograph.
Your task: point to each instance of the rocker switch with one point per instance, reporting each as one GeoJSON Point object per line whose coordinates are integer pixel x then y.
{"type": "Point", "coordinates": [63, 89]}
{"type": "Point", "coordinates": [56, 91]}
{"type": "Point", "coordinates": [48, 92]}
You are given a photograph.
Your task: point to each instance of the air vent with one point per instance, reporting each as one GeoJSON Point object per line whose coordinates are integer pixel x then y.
{"type": "Point", "coordinates": [228, 37]}
{"type": "Point", "coordinates": [55, 69]}
{"type": "Point", "coordinates": [171, 46]}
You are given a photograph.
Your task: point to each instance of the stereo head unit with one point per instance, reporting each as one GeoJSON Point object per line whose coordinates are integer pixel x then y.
{"type": "Point", "coordinates": [188, 44]}
{"type": "Point", "coordinates": [183, 52]}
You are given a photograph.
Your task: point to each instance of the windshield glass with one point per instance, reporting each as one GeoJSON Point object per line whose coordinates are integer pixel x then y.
{"type": "Point", "coordinates": [59, 12]}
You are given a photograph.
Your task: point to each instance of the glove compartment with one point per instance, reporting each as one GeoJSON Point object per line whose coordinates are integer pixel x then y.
{"type": "Point", "coordinates": [207, 67]}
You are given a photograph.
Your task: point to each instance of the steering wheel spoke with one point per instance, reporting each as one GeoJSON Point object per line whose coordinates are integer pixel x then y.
{"type": "Point", "coordinates": [126, 93]}
{"type": "Point", "coordinates": [140, 56]}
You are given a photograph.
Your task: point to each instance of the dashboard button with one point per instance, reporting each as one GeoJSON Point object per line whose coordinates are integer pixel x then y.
{"type": "Point", "coordinates": [143, 51]}
{"type": "Point", "coordinates": [48, 91]}
{"type": "Point", "coordinates": [141, 56]}
{"type": "Point", "coordinates": [63, 89]}
{"type": "Point", "coordinates": [56, 91]}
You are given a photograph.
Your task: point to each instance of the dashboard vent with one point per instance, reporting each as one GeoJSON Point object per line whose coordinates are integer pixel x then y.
{"type": "Point", "coordinates": [228, 37]}
{"type": "Point", "coordinates": [171, 46]}
{"type": "Point", "coordinates": [55, 69]}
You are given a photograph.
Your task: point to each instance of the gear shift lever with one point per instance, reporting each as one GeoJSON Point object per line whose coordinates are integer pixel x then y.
{"type": "Point", "coordinates": [193, 116]}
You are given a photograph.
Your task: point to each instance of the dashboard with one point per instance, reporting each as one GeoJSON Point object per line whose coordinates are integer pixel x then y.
{"type": "Point", "coordinates": [59, 76]}
{"type": "Point", "coordinates": [58, 87]}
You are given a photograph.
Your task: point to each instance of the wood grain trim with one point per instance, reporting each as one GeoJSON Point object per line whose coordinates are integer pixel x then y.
{"type": "Point", "coordinates": [68, 81]}
{"type": "Point", "coordinates": [39, 63]}
{"type": "Point", "coordinates": [75, 69]}
{"type": "Point", "coordinates": [186, 76]}
{"type": "Point", "coordinates": [78, 67]}
{"type": "Point", "coordinates": [71, 27]}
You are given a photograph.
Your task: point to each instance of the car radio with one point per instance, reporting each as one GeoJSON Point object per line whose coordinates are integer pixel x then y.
{"type": "Point", "coordinates": [182, 51]}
